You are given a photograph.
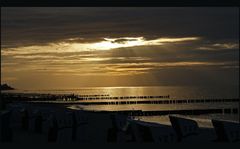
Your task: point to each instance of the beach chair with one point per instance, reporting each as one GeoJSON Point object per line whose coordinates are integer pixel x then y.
{"type": "Point", "coordinates": [226, 131]}
{"type": "Point", "coordinates": [121, 122]}
{"type": "Point", "coordinates": [24, 119]}
{"type": "Point", "coordinates": [64, 127]}
{"type": "Point", "coordinates": [140, 132]}
{"type": "Point", "coordinates": [16, 117]}
{"type": "Point", "coordinates": [6, 133]}
{"type": "Point", "coordinates": [119, 131]}
{"type": "Point", "coordinates": [80, 121]}
{"type": "Point", "coordinates": [35, 121]}
{"type": "Point", "coordinates": [184, 128]}
{"type": "Point", "coordinates": [152, 132]}
{"type": "Point", "coordinates": [98, 127]}
{"type": "Point", "coordinates": [47, 119]}
{"type": "Point", "coordinates": [163, 134]}
{"type": "Point", "coordinates": [52, 128]}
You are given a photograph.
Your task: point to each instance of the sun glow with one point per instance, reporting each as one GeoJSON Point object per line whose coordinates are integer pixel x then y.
{"type": "Point", "coordinates": [105, 44]}
{"type": "Point", "coordinates": [113, 43]}
{"type": "Point", "coordinates": [123, 42]}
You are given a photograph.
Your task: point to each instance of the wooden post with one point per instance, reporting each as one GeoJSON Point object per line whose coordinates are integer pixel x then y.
{"type": "Point", "coordinates": [239, 111]}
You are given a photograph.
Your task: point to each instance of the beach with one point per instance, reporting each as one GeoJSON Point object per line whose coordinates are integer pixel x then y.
{"type": "Point", "coordinates": [100, 123]}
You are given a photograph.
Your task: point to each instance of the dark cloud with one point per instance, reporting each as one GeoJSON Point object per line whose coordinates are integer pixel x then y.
{"type": "Point", "coordinates": [209, 60]}
{"type": "Point", "coordinates": [26, 26]}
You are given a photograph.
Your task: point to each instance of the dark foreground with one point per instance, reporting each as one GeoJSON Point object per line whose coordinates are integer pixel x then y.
{"type": "Point", "coordinates": [55, 123]}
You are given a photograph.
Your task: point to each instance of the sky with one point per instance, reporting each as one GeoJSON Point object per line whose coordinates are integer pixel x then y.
{"type": "Point", "coordinates": [53, 48]}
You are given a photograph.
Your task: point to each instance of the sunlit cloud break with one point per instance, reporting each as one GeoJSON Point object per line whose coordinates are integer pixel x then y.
{"type": "Point", "coordinates": [105, 44]}
{"type": "Point", "coordinates": [219, 46]}
{"type": "Point", "coordinates": [123, 42]}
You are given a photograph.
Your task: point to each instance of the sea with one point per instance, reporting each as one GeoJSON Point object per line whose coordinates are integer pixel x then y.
{"type": "Point", "coordinates": [175, 92]}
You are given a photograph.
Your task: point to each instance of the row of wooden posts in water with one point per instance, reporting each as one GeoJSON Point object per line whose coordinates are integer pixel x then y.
{"type": "Point", "coordinates": [122, 97]}
{"type": "Point", "coordinates": [72, 97]}
{"type": "Point", "coordinates": [114, 100]}
{"type": "Point", "coordinates": [159, 101]}
{"type": "Point", "coordinates": [184, 112]}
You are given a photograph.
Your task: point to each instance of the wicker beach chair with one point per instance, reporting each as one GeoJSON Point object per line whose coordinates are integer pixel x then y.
{"type": "Point", "coordinates": [183, 127]}
{"type": "Point", "coordinates": [80, 122]}
{"type": "Point", "coordinates": [226, 131]}
{"type": "Point", "coordinates": [36, 121]}
{"type": "Point", "coordinates": [60, 127]}
{"type": "Point", "coordinates": [6, 133]}
{"type": "Point", "coordinates": [120, 130]}
{"type": "Point", "coordinates": [65, 127]}
{"type": "Point", "coordinates": [98, 127]}
{"type": "Point", "coordinates": [16, 116]}
{"type": "Point", "coordinates": [152, 132]}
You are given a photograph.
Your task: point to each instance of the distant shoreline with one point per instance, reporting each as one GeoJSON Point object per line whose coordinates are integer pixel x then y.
{"type": "Point", "coordinates": [6, 87]}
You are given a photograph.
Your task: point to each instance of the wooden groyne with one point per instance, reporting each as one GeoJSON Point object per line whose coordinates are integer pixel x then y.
{"type": "Point", "coordinates": [121, 97]}
{"type": "Point", "coordinates": [169, 101]}
{"type": "Point", "coordinates": [93, 96]}
{"type": "Point", "coordinates": [72, 97]}
{"type": "Point", "coordinates": [183, 112]}
{"type": "Point", "coordinates": [105, 99]}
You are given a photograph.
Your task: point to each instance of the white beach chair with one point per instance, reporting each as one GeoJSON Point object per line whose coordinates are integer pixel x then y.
{"type": "Point", "coordinates": [65, 127]}
{"type": "Point", "coordinates": [34, 120]}
{"type": "Point", "coordinates": [15, 119]}
{"type": "Point", "coordinates": [52, 128]}
{"type": "Point", "coordinates": [81, 121]}
{"type": "Point", "coordinates": [98, 127]}
{"type": "Point", "coordinates": [48, 117]}
{"type": "Point", "coordinates": [227, 131]}
{"type": "Point", "coordinates": [121, 122]}
{"type": "Point", "coordinates": [163, 134]}
{"type": "Point", "coordinates": [5, 129]}
{"type": "Point", "coordinates": [185, 128]}
{"type": "Point", "coordinates": [152, 132]}
{"type": "Point", "coordinates": [139, 131]}
{"type": "Point", "coordinates": [120, 126]}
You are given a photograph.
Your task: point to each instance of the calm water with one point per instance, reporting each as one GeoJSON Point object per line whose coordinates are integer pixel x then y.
{"type": "Point", "coordinates": [175, 92]}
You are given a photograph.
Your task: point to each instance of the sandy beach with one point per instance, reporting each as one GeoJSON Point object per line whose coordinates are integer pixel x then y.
{"type": "Point", "coordinates": [97, 127]}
